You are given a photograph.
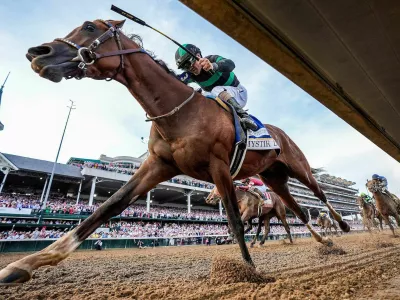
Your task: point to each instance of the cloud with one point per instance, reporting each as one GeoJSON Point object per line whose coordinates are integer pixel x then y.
{"type": "Point", "coordinates": [109, 121]}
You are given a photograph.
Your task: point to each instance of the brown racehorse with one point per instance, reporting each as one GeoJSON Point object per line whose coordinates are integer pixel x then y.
{"type": "Point", "coordinates": [249, 207]}
{"type": "Point", "coordinates": [326, 224]}
{"type": "Point", "coordinates": [192, 136]}
{"type": "Point", "coordinates": [385, 204]}
{"type": "Point", "coordinates": [369, 214]}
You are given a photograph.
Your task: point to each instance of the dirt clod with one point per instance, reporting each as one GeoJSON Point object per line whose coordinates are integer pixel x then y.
{"type": "Point", "coordinates": [225, 270]}
{"type": "Point", "coordinates": [334, 250]}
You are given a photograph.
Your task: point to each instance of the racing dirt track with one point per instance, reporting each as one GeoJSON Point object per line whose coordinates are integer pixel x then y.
{"type": "Point", "coordinates": [368, 270]}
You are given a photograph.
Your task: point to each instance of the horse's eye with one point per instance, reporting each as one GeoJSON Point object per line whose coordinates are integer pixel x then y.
{"type": "Point", "coordinates": [90, 27]}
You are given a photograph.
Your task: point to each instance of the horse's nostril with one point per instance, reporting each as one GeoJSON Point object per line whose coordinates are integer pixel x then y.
{"type": "Point", "coordinates": [38, 51]}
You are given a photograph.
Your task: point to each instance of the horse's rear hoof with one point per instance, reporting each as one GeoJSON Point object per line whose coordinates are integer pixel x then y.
{"type": "Point", "coordinates": [344, 226]}
{"type": "Point", "coordinates": [13, 276]}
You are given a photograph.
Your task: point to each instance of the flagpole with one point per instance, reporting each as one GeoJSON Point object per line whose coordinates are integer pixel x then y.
{"type": "Point", "coordinates": [1, 93]}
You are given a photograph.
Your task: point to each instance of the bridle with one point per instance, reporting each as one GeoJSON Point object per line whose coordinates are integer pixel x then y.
{"type": "Point", "coordinates": [87, 56]}
{"type": "Point", "coordinates": [374, 187]}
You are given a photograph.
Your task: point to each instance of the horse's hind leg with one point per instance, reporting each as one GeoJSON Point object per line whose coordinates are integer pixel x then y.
{"type": "Point", "coordinates": [277, 181]}
{"type": "Point", "coordinates": [152, 172]}
{"type": "Point", "coordinates": [387, 221]}
{"type": "Point", "coordinates": [282, 216]}
{"type": "Point", "coordinates": [304, 175]}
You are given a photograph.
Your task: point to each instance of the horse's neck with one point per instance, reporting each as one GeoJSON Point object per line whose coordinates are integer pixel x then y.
{"type": "Point", "coordinates": [157, 91]}
{"type": "Point", "coordinates": [379, 197]}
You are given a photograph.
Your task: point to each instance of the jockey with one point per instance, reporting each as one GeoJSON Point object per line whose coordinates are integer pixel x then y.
{"type": "Point", "coordinates": [222, 82]}
{"type": "Point", "coordinates": [366, 197]}
{"type": "Point", "coordinates": [382, 181]}
{"type": "Point", "coordinates": [256, 185]}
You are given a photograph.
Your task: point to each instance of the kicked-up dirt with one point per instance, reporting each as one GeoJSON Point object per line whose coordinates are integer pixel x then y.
{"type": "Point", "coordinates": [361, 266]}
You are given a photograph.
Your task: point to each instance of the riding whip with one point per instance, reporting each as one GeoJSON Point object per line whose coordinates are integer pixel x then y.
{"type": "Point", "coordinates": [143, 23]}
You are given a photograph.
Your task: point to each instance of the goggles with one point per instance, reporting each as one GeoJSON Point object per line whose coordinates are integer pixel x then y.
{"type": "Point", "coordinates": [187, 63]}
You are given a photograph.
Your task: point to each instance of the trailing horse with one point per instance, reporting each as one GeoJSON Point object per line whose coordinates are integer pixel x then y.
{"type": "Point", "coordinates": [369, 213]}
{"type": "Point", "coordinates": [251, 206]}
{"type": "Point", "coordinates": [326, 223]}
{"type": "Point", "coordinates": [184, 137]}
{"type": "Point", "coordinates": [385, 204]}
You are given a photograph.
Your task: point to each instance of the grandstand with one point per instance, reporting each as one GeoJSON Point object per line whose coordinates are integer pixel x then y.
{"type": "Point", "coordinates": [174, 208]}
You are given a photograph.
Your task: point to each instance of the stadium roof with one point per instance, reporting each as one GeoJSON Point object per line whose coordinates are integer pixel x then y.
{"type": "Point", "coordinates": [343, 53]}
{"type": "Point", "coordinates": [41, 166]}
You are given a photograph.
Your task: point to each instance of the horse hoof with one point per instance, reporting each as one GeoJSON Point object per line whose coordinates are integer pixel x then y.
{"type": "Point", "coordinates": [251, 245]}
{"type": "Point", "coordinates": [344, 226]}
{"type": "Point", "coordinates": [13, 276]}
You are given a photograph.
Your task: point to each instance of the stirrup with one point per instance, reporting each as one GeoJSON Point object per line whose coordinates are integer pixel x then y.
{"type": "Point", "coordinates": [249, 123]}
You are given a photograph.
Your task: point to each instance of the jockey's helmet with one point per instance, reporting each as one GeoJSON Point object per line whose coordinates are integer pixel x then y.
{"type": "Point", "coordinates": [183, 59]}
{"type": "Point", "coordinates": [375, 176]}
{"type": "Point", "coordinates": [363, 195]}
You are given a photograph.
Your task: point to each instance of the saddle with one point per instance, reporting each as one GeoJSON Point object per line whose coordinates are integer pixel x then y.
{"type": "Point", "coordinates": [246, 139]}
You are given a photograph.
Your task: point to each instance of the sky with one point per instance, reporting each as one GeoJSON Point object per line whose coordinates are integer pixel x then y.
{"type": "Point", "coordinates": [108, 120]}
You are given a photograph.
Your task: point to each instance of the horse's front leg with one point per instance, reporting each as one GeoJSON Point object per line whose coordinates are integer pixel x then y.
{"type": "Point", "coordinates": [152, 172]}
{"type": "Point", "coordinates": [246, 219]}
{"type": "Point", "coordinates": [257, 233]}
{"type": "Point", "coordinates": [219, 171]}
{"type": "Point", "coordinates": [267, 220]}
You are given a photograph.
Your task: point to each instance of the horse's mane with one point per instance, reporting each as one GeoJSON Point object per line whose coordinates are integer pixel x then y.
{"type": "Point", "coordinates": [138, 40]}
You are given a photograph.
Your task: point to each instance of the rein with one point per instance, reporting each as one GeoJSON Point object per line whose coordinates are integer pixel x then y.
{"type": "Point", "coordinates": [175, 110]}
{"type": "Point", "coordinates": [87, 56]}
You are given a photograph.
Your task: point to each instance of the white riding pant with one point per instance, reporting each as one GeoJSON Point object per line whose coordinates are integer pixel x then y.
{"type": "Point", "coordinates": [261, 188]}
{"type": "Point", "coordinates": [238, 92]}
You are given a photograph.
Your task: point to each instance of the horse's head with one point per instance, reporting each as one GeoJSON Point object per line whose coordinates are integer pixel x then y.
{"type": "Point", "coordinates": [75, 56]}
{"type": "Point", "coordinates": [360, 201]}
{"type": "Point", "coordinates": [214, 197]}
{"type": "Point", "coordinates": [373, 185]}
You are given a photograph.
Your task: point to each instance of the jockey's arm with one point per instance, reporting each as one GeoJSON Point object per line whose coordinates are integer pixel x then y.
{"type": "Point", "coordinates": [221, 64]}
{"type": "Point", "coordinates": [257, 182]}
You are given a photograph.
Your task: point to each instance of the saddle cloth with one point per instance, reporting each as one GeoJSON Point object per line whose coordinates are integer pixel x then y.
{"type": "Point", "coordinates": [268, 201]}
{"type": "Point", "coordinates": [259, 139]}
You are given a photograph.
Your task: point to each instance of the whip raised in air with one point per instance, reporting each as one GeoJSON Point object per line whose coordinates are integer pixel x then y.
{"type": "Point", "coordinates": [143, 23]}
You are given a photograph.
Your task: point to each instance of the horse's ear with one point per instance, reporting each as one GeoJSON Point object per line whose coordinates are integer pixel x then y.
{"type": "Point", "coordinates": [118, 24]}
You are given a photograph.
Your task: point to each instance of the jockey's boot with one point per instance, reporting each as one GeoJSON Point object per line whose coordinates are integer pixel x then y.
{"type": "Point", "coordinates": [245, 118]}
